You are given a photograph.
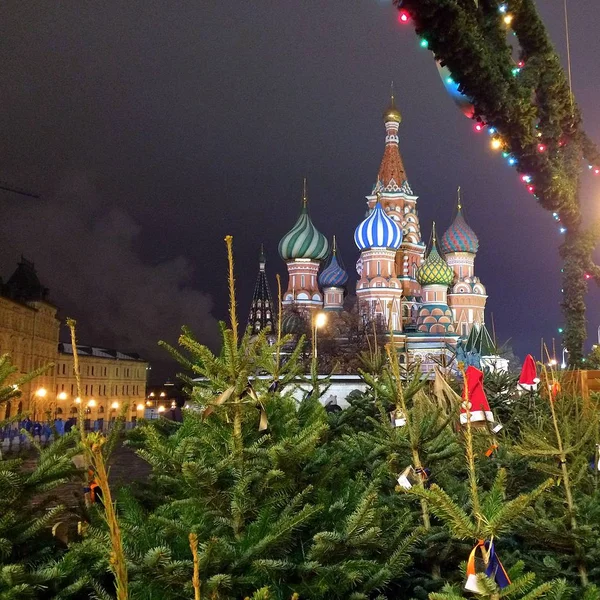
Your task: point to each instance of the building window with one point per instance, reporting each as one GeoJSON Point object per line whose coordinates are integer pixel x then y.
{"type": "Point", "coordinates": [86, 390]}
{"type": "Point", "coordinates": [378, 267]}
{"type": "Point", "coordinates": [92, 369]}
{"type": "Point", "coordinates": [302, 281]}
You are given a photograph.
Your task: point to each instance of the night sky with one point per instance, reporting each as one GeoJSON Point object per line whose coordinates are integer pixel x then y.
{"type": "Point", "coordinates": [152, 129]}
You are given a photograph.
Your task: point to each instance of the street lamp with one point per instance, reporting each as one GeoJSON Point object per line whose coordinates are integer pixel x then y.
{"type": "Point", "coordinates": [39, 393]}
{"type": "Point", "coordinates": [319, 321]}
{"type": "Point", "coordinates": [553, 362]}
{"type": "Point", "coordinates": [564, 362]}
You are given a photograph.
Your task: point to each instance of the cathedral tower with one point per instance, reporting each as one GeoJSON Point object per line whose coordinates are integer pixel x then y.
{"type": "Point", "coordinates": [333, 281]}
{"type": "Point", "coordinates": [262, 311]}
{"type": "Point", "coordinates": [400, 204]}
{"type": "Point", "coordinates": [379, 291]}
{"type": "Point", "coordinates": [303, 248]}
{"type": "Point", "coordinates": [435, 276]}
{"type": "Point", "coordinates": [467, 295]}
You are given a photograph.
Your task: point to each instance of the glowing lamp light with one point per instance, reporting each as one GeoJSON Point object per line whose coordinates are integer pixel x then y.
{"type": "Point", "coordinates": [588, 276]}
{"type": "Point", "coordinates": [541, 147]}
{"type": "Point", "coordinates": [560, 330]}
{"type": "Point", "coordinates": [515, 71]}
{"type": "Point", "coordinates": [526, 178]}
{"type": "Point", "coordinates": [162, 394]}
{"type": "Point", "coordinates": [479, 127]}
{"type": "Point", "coordinates": [596, 171]}
{"type": "Point", "coordinates": [424, 43]}
{"type": "Point", "coordinates": [403, 16]}
{"type": "Point", "coordinates": [41, 393]}
{"type": "Point", "coordinates": [590, 167]}
{"type": "Point", "coordinates": [140, 407]}
{"type": "Point", "coordinates": [78, 400]}
{"type": "Point", "coordinates": [62, 396]}
{"type": "Point", "coordinates": [449, 80]}
{"type": "Point", "coordinates": [320, 320]}
{"type": "Point", "coordinates": [553, 363]}
{"type": "Point", "coordinates": [161, 409]}
{"type": "Point", "coordinates": [503, 8]}
{"type": "Point", "coordinates": [496, 143]}
{"type": "Point", "coordinates": [530, 189]}
{"type": "Point", "coordinates": [521, 64]}
{"type": "Point", "coordinates": [563, 230]}
{"type": "Point", "coordinates": [91, 403]}
{"type": "Point", "coordinates": [508, 19]}
{"type": "Point", "coordinates": [492, 130]}
{"type": "Point", "coordinates": [512, 161]}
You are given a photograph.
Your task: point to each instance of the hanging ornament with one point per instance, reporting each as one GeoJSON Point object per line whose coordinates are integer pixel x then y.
{"type": "Point", "coordinates": [408, 478]}
{"type": "Point", "coordinates": [464, 103]}
{"type": "Point", "coordinates": [483, 560]}
{"type": "Point", "coordinates": [398, 418]}
{"type": "Point", "coordinates": [477, 409]}
{"type": "Point", "coordinates": [528, 380]}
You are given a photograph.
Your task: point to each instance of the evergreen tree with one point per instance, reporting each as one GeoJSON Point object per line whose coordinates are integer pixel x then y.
{"type": "Point", "coordinates": [27, 508]}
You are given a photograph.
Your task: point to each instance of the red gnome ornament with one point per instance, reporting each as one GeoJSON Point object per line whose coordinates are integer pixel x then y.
{"type": "Point", "coordinates": [481, 414]}
{"type": "Point", "coordinates": [528, 381]}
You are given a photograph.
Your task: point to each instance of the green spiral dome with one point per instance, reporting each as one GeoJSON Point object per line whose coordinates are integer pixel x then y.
{"type": "Point", "coordinates": [435, 270]}
{"type": "Point", "coordinates": [303, 240]}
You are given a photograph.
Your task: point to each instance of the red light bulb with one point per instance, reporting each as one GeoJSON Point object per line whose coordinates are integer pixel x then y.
{"type": "Point", "coordinates": [596, 171]}
{"type": "Point", "coordinates": [403, 17]}
{"type": "Point", "coordinates": [541, 148]}
{"type": "Point", "coordinates": [479, 127]}
{"type": "Point", "coordinates": [530, 189]}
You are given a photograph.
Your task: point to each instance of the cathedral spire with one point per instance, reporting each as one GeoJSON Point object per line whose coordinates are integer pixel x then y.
{"type": "Point", "coordinates": [262, 308]}
{"type": "Point", "coordinates": [391, 176]}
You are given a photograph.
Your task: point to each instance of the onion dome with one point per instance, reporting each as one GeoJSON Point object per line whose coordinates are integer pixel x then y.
{"type": "Point", "coordinates": [334, 274]}
{"type": "Point", "coordinates": [303, 240]}
{"type": "Point", "coordinates": [459, 237]}
{"type": "Point", "coordinates": [435, 270]}
{"type": "Point", "coordinates": [391, 112]}
{"type": "Point", "coordinates": [293, 323]}
{"type": "Point", "coordinates": [378, 231]}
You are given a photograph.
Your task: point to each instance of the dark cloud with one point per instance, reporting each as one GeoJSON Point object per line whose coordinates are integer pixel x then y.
{"type": "Point", "coordinates": [87, 250]}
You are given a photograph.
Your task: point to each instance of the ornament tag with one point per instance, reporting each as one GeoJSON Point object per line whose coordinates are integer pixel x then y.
{"type": "Point", "coordinates": [408, 478]}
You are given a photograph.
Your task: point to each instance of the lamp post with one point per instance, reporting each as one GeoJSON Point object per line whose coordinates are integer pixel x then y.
{"type": "Point", "coordinates": [319, 321]}
{"type": "Point", "coordinates": [563, 365]}
{"type": "Point", "coordinates": [599, 335]}
{"type": "Point", "coordinates": [60, 396]}
{"type": "Point", "coordinates": [39, 393]}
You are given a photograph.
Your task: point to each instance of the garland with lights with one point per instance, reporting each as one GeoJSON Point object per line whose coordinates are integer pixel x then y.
{"type": "Point", "coordinates": [525, 103]}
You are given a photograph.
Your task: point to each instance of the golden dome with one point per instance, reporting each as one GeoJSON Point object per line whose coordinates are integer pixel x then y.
{"type": "Point", "coordinates": [391, 112]}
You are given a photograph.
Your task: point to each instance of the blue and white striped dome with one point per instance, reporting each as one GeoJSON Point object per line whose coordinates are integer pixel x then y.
{"type": "Point", "coordinates": [378, 231]}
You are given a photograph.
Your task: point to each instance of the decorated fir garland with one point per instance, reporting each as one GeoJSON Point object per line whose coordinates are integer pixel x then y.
{"type": "Point", "coordinates": [525, 102]}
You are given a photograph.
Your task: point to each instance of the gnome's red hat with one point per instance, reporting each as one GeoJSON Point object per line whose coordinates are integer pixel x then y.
{"type": "Point", "coordinates": [479, 407]}
{"type": "Point", "coordinates": [529, 379]}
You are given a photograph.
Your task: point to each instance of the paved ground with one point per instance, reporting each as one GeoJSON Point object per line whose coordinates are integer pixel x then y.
{"type": "Point", "coordinates": [125, 467]}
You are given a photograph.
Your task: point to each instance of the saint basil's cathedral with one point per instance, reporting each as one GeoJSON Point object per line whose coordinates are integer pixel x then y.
{"type": "Point", "coordinates": [427, 296]}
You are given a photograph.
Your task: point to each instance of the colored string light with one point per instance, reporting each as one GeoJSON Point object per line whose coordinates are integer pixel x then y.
{"type": "Point", "coordinates": [403, 16]}
{"type": "Point", "coordinates": [479, 127]}
{"type": "Point", "coordinates": [526, 178]}
{"type": "Point", "coordinates": [541, 147]}
{"type": "Point", "coordinates": [424, 43]}
{"type": "Point", "coordinates": [503, 8]}
{"type": "Point", "coordinates": [496, 143]}
{"type": "Point", "coordinates": [508, 19]}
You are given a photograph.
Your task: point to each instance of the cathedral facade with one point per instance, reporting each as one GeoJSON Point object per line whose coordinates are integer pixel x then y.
{"type": "Point", "coordinates": [426, 295]}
